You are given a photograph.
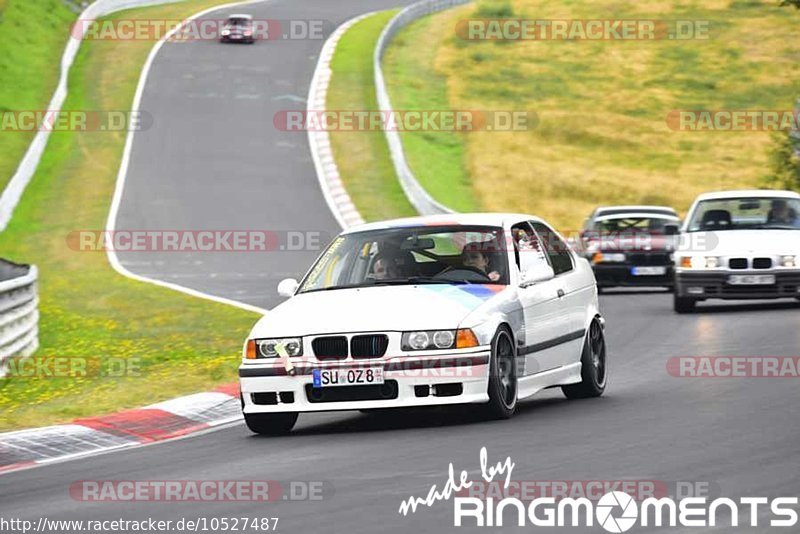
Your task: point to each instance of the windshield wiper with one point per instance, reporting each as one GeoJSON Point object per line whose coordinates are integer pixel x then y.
{"type": "Point", "coordinates": [391, 282]}
{"type": "Point", "coordinates": [419, 280]}
{"type": "Point", "coordinates": [331, 288]}
{"type": "Point", "coordinates": [775, 227]}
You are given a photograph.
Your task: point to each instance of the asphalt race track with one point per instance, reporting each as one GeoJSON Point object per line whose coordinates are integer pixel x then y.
{"type": "Point", "coordinates": [213, 160]}
{"type": "Point", "coordinates": [213, 163]}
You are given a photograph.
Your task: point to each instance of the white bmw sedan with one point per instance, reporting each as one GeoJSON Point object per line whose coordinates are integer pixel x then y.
{"type": "Point", "coordinates": [739, 245]}
{"type": "Point", "coordinates": [484, 309]}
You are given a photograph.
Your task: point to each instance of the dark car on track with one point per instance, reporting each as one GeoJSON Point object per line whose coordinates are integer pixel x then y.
{"type": "Point", "coordinates": [238, 29]}
{"type": "Point", "coordinates": [631, 245]}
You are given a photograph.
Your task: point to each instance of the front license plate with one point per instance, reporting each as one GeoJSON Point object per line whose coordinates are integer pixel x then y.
{"type": "Point", "coordinates": [751, 279]}
{"type": "Point", "coordinates": [649, 271]}
{"type": "Point", "coordinates": [325, 378]}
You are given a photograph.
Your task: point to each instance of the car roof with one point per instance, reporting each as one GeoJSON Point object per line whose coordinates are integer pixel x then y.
{"type": "Point", "coordinates": [466, 219]}
{"type": "Point", "coordinates": [748, 193]}
{"type": "Point", "coordinates": [609, 210]}
{"type": "Point", "coordinates": [240, 16]}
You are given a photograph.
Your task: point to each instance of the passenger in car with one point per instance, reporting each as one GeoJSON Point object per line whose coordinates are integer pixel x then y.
{"type": "Point", "coordinates": [472, 256]}
{"type": "Point", "coordinates": [780, 213]}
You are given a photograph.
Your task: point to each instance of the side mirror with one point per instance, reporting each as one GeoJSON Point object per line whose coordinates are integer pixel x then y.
{"type": "Point", "coordinates": [287, 287]}
{"type": "Point", "coordinates": [672, 229]}
{"type": "Point", "coordinates": [536, 274]}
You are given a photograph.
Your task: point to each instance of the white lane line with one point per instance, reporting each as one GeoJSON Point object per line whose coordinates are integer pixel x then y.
{"type": "Point", "coordinates": [111, 223]}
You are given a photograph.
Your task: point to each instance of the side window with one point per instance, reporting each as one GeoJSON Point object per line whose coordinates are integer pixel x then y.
{"type": "Point", "coordinates": [557, 250]}
{"type": "Point", "coordinates": [528, 250]}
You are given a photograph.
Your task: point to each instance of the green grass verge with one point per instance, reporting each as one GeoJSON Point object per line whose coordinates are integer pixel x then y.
{"type": "Point", "coordinates": [602, 136]}
{"type": "Point", "coordinates": [438, 159]}
{"type": "Point", "coordinates": [179, 344]}
{"type": "Point", "coordinates": [33, 34]}
{"type": "Point", "coordinates": [363, 156]}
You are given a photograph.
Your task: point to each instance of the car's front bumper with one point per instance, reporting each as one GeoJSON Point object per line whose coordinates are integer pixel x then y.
{"type": "Point", "coordinates": [236, 39]}
{"type": "Point", "coordinates": [621, 274]}
{"type": "Point", "coordinates": [409, 381]}
{"type": "Point", "coordinates": [714, 285]}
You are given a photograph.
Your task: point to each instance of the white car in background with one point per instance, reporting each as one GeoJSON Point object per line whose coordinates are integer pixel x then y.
{"type": "Point", "coordinates": [739, 245]}
{"type": "Point", "coordinates": [471, 308]}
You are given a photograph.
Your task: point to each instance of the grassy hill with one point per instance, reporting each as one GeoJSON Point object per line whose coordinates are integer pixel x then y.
{"type": "Point", "coordinates": [602, 136]}
{"type": "Point", "coordinates": [177, 344]}
{"type": "Point", "coordinates": [33, 34]}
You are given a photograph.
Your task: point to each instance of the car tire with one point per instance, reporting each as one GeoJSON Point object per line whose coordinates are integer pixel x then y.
{"type": "Point", "coordinates": [270, 424]}
{"type": "Point", "coordinates": [502, 376]}
{"type": "Point", "coordinates": [683, 304]}
{"type": "Point", "coordinates": [594, 371]}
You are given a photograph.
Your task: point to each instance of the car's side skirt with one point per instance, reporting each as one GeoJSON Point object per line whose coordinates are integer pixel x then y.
{"type": "Point", "coordinates": [530, 385]}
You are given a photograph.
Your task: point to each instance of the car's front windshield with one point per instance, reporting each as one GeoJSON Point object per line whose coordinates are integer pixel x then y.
{"type": "Point", "coordinates": [746, 214]}
{"type": "Point", "coordinates": [413, 255]}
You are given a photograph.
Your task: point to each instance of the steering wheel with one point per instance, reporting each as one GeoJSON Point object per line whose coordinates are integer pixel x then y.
{"type": "Point", "coordinates": [464, 272]}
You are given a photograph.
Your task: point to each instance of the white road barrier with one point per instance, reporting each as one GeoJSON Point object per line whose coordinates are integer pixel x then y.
{"type": "Point", "coordinates": [27, 167]}
{"type": "Point", "coordinates": [422, 201]}
{"type": "Point", "coordinates": [19, 316]}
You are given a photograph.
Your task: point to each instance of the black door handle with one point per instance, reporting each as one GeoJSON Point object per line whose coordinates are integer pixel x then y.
{"type": "Point", "coordinates": [561, 293]}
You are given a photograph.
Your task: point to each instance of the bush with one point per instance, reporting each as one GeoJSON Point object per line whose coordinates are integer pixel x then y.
{"type": "Point", "coordinates": [493, 9]}
{"type": "Point", "coordinates": [784, 159]}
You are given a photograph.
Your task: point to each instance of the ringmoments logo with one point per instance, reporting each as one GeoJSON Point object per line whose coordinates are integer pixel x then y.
{"type": "Point", "coordinates": [615, 511]}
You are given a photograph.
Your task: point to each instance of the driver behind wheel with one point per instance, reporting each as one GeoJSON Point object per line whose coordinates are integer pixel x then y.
{"type": "Point", "coordinates": [472, 256]}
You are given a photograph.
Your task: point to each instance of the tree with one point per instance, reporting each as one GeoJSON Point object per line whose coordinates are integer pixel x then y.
{"type": "Point", "coordinates": [784, 163]}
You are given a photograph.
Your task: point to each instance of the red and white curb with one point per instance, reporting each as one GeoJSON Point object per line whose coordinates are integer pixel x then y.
{"type": "Point", "coordinates": [158, 422]}
{"type": "Point", "coordinates": [330, 181]}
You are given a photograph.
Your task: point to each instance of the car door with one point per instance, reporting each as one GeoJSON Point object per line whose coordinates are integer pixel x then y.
{"type": "Point", "coordinates": [544, 316]}
{"type": "Point", "coordinates": [574, 293]}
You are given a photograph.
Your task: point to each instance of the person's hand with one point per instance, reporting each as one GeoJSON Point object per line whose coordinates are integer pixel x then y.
{"type": "Point", "coordinates": [494, 276]}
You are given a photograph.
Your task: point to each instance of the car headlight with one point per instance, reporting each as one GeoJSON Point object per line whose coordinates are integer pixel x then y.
{"type": "Point", "coordinates": [613, 257]}
{"type": "Point", "coordinates": [266, 348]}
{"type": "Point", "coordinates": [701, 262]}
{"type": "Point", "coordinates": [225, 32]}
{"type": "Point", "coordinates": [438, 339]}
{"type": "Point", "coordinates": [789, 261]}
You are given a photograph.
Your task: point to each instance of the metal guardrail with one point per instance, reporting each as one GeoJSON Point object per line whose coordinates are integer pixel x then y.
{"type": "Point", "coordinates": [19, 314]}
{"type": "Point", "coordinates": [422, 201]}
{"type": "Point", "coordinates": [27, 167]}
